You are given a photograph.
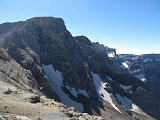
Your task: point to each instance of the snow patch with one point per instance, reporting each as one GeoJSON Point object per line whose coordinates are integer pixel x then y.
{"type": "Point", "coordinates": [56, 81]}
{"type": "Point", "coordinates": [112, 54]}
{"type": "Point", "coordinates": [141, 77]}
{"type": "Point", "coordinates": [126, 87]}
{"type": "Point", "coordinates": [146, 60]}
{"type": "Point", "coordinates": [122, 66]}
{"type": "Point", "coordinates": [136, 71]}
{"type": "Point", "coordinates": [135, 58]}
{"type": "Point", "coordinates": [144, 79]}
{"type": "Point", "coordinates": [17, 117]}
{"type": "Point", "coordinates": [100, 88]}
{"type": "Point", "coordinates": [127, 102]}
{"type": "Point", "coordinates": [75, 92]}
{"type": "Point", "coordinates": [125, 64]}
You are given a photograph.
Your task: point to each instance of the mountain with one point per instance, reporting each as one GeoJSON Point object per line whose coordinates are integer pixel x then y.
{"type": "Point", "coordinates": [146, 68]}
{"type": "Point", "coordinates": [39, 56]}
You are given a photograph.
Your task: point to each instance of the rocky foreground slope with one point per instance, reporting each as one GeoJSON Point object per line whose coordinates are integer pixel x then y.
{"type": "Point", "coordinates": [39, 57]}
{"type": "Point", "coordinates": [21, 98]}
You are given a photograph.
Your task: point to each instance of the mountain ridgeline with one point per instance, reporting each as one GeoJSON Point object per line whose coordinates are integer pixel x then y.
{"type": "Point", "coordinates": [40, 55]}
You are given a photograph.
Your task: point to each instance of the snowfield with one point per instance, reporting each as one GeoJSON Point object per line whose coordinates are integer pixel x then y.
{"type": "Point", "coordinates": [100, 88]}
{"type": "Point", "coordinates": [127, 103]}
{"type": "Point", "coordinates": [141, 77]}
{"type": "Point", "coordinates": [56, 81]}
{"type": "Point", "coordinates": [147, 60]}
{"type": "Point", "coordinates": [75, 92]}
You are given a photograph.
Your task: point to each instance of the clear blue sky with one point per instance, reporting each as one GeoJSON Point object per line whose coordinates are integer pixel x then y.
{"type": "Point", "coordinates": [130, 26]}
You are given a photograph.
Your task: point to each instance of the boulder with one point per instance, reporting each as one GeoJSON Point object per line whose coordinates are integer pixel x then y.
{"type": "Point", "coordinates": [8, 91]}
{"type": "Point", "coordinates": [34, 98]}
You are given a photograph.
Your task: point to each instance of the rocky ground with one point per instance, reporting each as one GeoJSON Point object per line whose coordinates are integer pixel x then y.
{"type": "Point", "coordinates": [17, 104]}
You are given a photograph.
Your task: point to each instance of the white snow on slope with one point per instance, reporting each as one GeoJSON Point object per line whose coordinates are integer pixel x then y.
{"type": "Point", "coordinates": [136, 71]}
{"type": "Point", "coordinates": [141, 77]}
{"type": "Point", "coordinates": [102, 93]}
{"type": "Point", "coordinates": [111, 54]}
{"type": "Point", "coordinates": [147, 60]}
{"type": "Point", "coordinates": [122, 66]}
{"type": "Point", "coordinates": [56, 82]}
{"type": "Point", "coordinates": [127, 102]}
{"type": "Point", "coordinates": [75, 92]}
{"type": "Point", "coordinates": [125, 64]}
{"type": "Point", "coordinates": [126, 87]}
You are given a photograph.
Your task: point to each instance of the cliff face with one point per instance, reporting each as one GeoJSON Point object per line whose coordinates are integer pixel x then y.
{"type": "Point", "coordinates": [13, 72]}
{"type": "Point", "coordinates": [145, 68]}
{"type": "Point", "coordinates": [69, 69]}
{"type": "Point", "coordinates": [46, 41]}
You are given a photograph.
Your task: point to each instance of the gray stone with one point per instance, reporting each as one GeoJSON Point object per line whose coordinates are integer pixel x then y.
{"type": "Point", "coordinates": [8, 91]}
{"type": "Point", "coordinates": [2, 118]}
{"type": "Point", "coordinates": [34, 98]}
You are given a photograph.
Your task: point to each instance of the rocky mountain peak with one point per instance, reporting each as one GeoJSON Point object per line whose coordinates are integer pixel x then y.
{"type": "Point", "coordinates": [83, 39]}
{"type": "Point", "coordinates": [50, 23]}
{"type": "Point", "coordinates": [40, 55]}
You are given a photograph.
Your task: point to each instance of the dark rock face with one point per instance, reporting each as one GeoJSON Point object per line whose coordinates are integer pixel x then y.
{"type": "Point", "coordinates": [46, 41]}
{"type": "Point", "coordinates": [14, 73]}
{"type": "Point", "coordinates": [146, 69]}
{"type": "Point", "coordinates": [83, 40]}
{"type": "Point", "coordinates": [27, 45]}
{"type": "Point", "coordinates": [150, 103]}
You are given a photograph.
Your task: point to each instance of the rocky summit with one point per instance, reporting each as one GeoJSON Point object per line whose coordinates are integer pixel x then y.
{"type": "Point", "coordinates": [48, 74]}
